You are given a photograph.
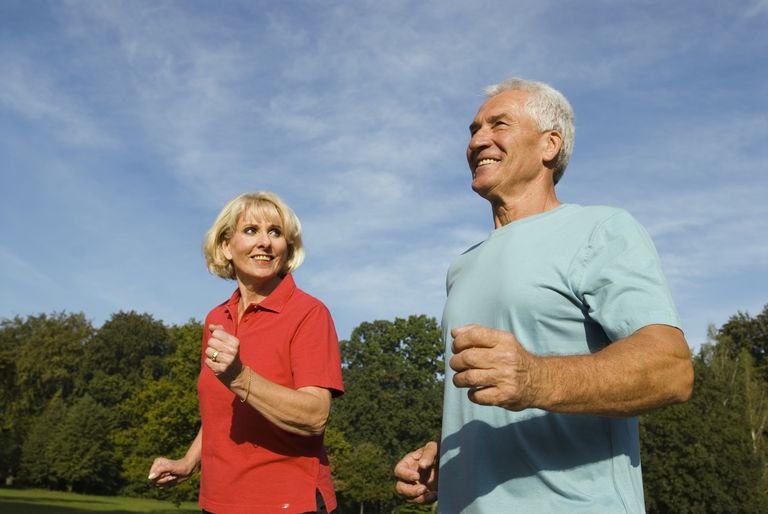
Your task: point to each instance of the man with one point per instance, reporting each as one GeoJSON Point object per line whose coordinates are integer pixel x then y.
{"type": "Point", "coordinates": [559, 330]}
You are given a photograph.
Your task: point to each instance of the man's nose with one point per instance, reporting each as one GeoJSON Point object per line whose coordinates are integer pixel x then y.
{"type": "Point", "coordinates": [479, 139]}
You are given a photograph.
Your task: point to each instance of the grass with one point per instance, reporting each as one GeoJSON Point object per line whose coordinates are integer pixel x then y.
{"type": "Point", "coordinates": [39, 501]}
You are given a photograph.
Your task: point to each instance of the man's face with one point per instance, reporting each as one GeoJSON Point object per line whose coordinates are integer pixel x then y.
{"type": "Point", "coordinates": [505, 149]}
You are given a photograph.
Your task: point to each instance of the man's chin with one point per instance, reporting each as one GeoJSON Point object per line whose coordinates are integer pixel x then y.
{"type": "Point", "coordinates": [480, 189]}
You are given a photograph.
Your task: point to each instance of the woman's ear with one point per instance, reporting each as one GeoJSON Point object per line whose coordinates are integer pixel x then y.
{"type": "Point", "coordinates": [224, 245]}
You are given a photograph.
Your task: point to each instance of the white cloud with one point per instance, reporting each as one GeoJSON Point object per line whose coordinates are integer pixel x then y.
{"type": "Point", "coordinates": [30, 91]}
{"type": "Point", "coordinates": [356, 113]}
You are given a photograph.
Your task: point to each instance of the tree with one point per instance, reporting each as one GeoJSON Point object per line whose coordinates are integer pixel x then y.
{"type": "Point", "coordinates": [368, 475]}
{"type": "Point", "coordinates": [47, 352]}
{"type": "Point", "coordinates": [38, 449]}
{"type": "Point", "coordinates": [162, 417]}
{"type": "Point", "coordinates": [127, 348]}
{"type": "Point", "coordinates": [701, 456]}
{"type": "Point", "coordinates": [39, 359]}
{"type": "Point", "coordinates": [81, 454]}
{"type": "Point", "coordinates": [743, 332]}
{"type": "Point", "coordinates": [393, 374]}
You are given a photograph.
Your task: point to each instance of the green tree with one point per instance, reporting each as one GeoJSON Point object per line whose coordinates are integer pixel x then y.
{"type": "Point", "coordinates": [743, 332]}
{"type": "Point", "coordinates": [701, 457]}
{"type": "Point", "coordinates": [81, 454]}
{"type": "Point", "coordinates": [126, 349]}
{"type": "Point", "coordinates": [393, 374]}
{"type": "Point", "coordinates": [162, 417]}
{"type": "Point", "coordinates": [39, 359]}
{"type": "Point", "coordinates": [38, 449]}
{"type": "Point", "coordinates": [47, 352]}
{"type": "Point", "coordinates": [368, 476]}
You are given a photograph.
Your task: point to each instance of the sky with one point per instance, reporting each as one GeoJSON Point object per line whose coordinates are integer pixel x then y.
{"type": "Point", "coordinates": [125, 127]}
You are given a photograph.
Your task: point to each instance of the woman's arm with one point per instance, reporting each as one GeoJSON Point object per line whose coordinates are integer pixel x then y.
{"type": "Point", "coordinates": [302, 411]}
{"type": "Point", "coordinates": [165, 472]}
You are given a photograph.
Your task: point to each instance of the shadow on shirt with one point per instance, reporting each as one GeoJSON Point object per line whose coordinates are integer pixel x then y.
{"type": "Point", "coordinates": [251, 427]}
{"type": "Point", "coordinates": [542, 445]}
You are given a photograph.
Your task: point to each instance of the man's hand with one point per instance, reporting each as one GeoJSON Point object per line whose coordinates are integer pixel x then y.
{"type": "Point", "coordinates": [416, 474]}
{"type": "Point", "coordinates": [494, 366]}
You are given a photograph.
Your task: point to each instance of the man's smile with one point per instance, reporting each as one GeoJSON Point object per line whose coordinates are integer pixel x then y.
{"type": "Point", "coordinates": [483, 162]}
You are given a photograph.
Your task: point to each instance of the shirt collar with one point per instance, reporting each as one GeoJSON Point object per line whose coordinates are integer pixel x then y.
{"type": "Point", "coordinates": [274, 302]}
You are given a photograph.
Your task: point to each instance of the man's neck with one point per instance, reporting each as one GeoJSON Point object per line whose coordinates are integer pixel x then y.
{"type": "Point", "coordinates": [527, 204]}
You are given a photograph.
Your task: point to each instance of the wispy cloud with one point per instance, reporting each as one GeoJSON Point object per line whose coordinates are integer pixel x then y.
{"type": "Point", "coordinates": [31, 93]}
{"type": "Point", "coordinates": [152, 115]}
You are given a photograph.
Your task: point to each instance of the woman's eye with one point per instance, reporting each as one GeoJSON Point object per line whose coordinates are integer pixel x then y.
{"type": "Point", "coordinates": [275, 232]}
{"type": "Point", "coordinates": [249, 230]}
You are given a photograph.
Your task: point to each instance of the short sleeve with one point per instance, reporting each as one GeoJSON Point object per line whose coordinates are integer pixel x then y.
{"type": "Point", "coordinates": [620, 279]}
{"type": "Point", "coordinates": [315, 359]}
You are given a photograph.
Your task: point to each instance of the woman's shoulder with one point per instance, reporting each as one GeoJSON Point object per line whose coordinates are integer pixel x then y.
{"type": "Point", "coordinates": [307, 301]}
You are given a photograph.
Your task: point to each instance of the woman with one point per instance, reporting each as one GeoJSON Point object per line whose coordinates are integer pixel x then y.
{"type": "Point", "coordinates": [270, 367]}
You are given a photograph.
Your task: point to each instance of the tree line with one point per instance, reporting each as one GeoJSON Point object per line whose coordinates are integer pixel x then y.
{"type": "Point", "coordinates": [86, 409]}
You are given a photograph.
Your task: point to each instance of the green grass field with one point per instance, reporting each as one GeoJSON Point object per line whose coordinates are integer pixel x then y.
{"type": "Point", "coordinates": [38, 501]}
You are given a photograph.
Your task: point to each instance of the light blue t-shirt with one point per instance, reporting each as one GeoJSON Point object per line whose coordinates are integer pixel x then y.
{"type": "Point", "coordinates": [565, 282]}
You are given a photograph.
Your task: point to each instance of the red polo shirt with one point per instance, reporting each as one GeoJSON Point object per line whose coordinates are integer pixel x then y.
{"type": "Point", "coordinates": [248, 464]}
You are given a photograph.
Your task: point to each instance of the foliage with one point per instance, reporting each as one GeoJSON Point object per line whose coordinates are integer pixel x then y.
{"type": "Point", "coordinates": [392, 404]}
{"type": "Point", "coordinates": [163, 417]}
{"type": "Point", "coordinates": [701, 456]}
{"type": "Point", "coordinates": [88, 409]}
{"type": "Point", "coordinates": [38, 449]}
{"type": "Point", "coordinates": [368, 475]}
{"type": "Point", "coordinates": [81, 454]}
{"type": "Point", "coordinates": [743, 332]}
{"type": "Point", "coordinates": [128, 348]}
{"type": "Point", "coordinates": [39, 359]}
{"type": "Point", "coordinates": [68, 447]}
{"type": "Point", "coordinates": [47, 352]}
{"type": "Point", "coordinates": [393, 380]}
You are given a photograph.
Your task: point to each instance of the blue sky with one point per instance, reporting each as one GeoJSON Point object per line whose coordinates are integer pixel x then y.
{"type": "Point", "coordinates": [126, 126]}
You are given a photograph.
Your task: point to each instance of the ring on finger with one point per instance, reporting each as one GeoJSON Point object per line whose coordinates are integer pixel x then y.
{"type": "Point", "coordinates": [215, 354]}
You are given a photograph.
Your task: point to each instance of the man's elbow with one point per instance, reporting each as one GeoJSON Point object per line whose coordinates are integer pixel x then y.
{"type": "Point", "coordinates": [684, 389]}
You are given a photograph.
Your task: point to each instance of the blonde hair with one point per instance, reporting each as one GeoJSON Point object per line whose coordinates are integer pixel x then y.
{"type": "Point", "coordinates": [262, 202]}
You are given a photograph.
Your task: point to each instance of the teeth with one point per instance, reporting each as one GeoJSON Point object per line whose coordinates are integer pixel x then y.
{"type": "Point", "coordinates": [483, 162]}
{"type": "Point", "coordinates": [262, 257]}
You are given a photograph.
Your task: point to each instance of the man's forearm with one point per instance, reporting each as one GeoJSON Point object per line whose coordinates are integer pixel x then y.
{"type": "Point", "coordinates": [649, 369]}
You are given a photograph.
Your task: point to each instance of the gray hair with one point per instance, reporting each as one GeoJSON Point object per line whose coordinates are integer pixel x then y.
{"type": "Point", "coordinates": [549, 109]}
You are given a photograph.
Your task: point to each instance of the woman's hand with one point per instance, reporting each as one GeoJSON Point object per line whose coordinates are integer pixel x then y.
{"type": "Point", "coordinates": [223, 355]}
{"type": "Point", "coordinates": [166, 472]}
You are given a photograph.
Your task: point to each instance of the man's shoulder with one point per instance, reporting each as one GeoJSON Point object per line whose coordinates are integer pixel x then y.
{"type": "Point", "coordinates": [597, 217]}
{"type": "Point", "coordinates": [595, 212]}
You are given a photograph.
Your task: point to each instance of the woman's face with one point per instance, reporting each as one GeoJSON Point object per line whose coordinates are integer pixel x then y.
{"type": "Point", "coordinates": [258, 249]}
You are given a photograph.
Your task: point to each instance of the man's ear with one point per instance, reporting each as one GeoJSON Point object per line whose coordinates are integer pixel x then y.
{"type": "Point", "coordinates": [553, 142]}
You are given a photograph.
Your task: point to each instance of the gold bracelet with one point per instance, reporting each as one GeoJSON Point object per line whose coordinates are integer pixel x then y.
{"type": "Point", "coordinates": [248, 388]}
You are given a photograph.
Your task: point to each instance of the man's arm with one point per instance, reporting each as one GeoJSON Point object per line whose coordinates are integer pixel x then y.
{"type": "Point", "coordinates": [649, 369]}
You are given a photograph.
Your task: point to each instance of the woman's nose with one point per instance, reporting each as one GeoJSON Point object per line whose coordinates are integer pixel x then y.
{"type": "Point", "coordinates": [263, 240]}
